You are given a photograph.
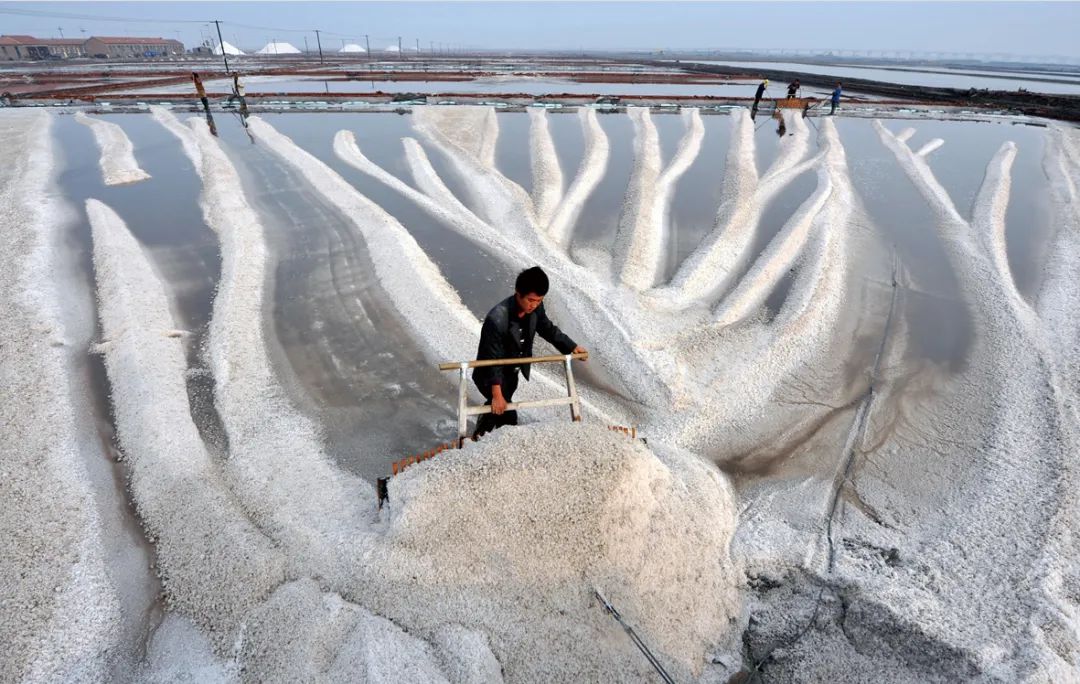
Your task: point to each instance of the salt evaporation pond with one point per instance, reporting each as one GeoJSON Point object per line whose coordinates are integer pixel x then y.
{"type": "Point", "coordinates": [852, 349]}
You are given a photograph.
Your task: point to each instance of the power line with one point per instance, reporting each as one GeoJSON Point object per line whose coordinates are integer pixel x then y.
{"type": "Point", "coordinates": [270, 28]}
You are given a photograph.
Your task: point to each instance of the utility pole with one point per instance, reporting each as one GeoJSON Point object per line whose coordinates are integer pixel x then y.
{"type": "Point", "coordinates": [319, 42]}
{"type": "Point", "coordinates": [306, 50]}
{"type": "Point", "coordinates": [61, 30]}
{"type": "Point", "coordinates": [417, 47]}
{"type": "Point", "coordinates": [224, 54]}
{"type": "Point", "coordinates": [367, 44]}
{"type": "Point", "coordinates": [400, 55]}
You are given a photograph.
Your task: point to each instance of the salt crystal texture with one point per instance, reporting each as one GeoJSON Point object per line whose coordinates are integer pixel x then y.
{"type": "Point", "coordinates": [511, 535]}
{"type": "Point", "coordinates": [118, 164]}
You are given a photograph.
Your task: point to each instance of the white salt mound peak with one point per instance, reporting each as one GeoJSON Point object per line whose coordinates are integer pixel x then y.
{"type": "Point", "coordinates": [277, 48]}
{"type": "Point", "coordinates": [510, 536]}
{"type": "Point", "coordinates": [227, 48]}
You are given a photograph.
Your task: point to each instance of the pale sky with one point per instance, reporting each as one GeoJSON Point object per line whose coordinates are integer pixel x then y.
{"type": "Point", "coordinates": [1027, 28]}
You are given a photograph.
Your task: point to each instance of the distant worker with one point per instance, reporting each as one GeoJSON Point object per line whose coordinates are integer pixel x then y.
{"type": "Point", "coordinates": [793, 88]}
{"type": "Point", "coordinates": [200, 90]}
{"type": "Point", "coordinates": [835, 98]}
{"type": "Point", "coordinates": [508, 332]}
{"type": "Point", "coordinates": [760, 91]}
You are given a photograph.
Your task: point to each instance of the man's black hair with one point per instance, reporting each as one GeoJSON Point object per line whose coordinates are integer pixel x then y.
{"type": "Point", "coordinates": [532, 281]}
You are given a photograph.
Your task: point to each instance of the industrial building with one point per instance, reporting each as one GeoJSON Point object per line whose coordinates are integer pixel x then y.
{"type": "Point", "coordinates": [22, 48]}
{"type": "Point", "coordinates": [128, 48]}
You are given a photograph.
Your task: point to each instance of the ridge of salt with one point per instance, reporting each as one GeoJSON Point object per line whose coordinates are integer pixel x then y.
{"type": "Point", "coordinates": [118, 164]}
{"type": "Point", "coordinates": [215, 565]}
{"type": "Point", "coordinates": [277, 465]}
{"type": "Point", "coordinates": [60, 610]}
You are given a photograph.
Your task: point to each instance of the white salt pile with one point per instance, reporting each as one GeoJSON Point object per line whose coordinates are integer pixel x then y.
{"type": "Point", "coordinates": [1059, 298]}
{"type": "Point", "coordinates": [277, 465]}
{"type": "Point", "coordinates": [59, 607]}
{"type": "Point", "coordinates": [789, 244]}
{"type": "Point", "coordinates": [118, 164]}
{"type": "Point", "coordinates": [712, 266]}
{"type": "Point", "coordinates": [589, 174]}
{"type": "Point", "coordinates": [952, 554]}
{"type": "Point", "coordinates": [587, 304]}
{"type": "Point", "coordinates": [181, 494]}
{"type": "Point", "coordinates": [510, 537]}
{"type": "Point", "coordinates": [923, 528]}
{"type": "Point", "coordinates": [546, 171]}
{"type": "Point", "coordinates": [642, 240]}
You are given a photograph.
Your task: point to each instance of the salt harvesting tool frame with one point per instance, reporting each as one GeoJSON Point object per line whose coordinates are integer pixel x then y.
{"type": "Point", "coordinates": [464, 410]}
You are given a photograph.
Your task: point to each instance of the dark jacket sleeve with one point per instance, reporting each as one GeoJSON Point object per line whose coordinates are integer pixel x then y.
{"type": "Point", "coordinates": [491, 347]}
{"type": "Point", "coordinates": [550, 332]}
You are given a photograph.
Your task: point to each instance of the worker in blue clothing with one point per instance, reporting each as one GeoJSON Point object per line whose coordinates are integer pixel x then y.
{"type": "Point", "coordinates": [835, 98]}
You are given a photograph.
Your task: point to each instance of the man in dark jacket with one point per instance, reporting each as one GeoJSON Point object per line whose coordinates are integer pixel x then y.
{"type": "Point", "coordinates": [757, 98]}
{"type": "Point", "coordinates": [760, 92]}
{"type": "Point", "coordinates": [508, 332]}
